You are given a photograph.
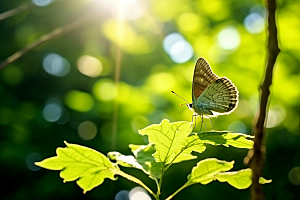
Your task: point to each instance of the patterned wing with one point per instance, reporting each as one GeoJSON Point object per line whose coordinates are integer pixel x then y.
{"type": "Point", "coordinates": [203, 77]}
{"type": "Point", "coordinates": [221, 96]}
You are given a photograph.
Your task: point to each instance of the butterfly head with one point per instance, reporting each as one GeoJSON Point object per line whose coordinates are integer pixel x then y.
{"type": "Point", "coordinates": [190, 106]}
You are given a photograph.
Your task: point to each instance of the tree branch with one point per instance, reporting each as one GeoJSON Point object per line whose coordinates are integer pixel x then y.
{"type": "Point", "coordinates": [16, 10]}
{"type": "Point", "coordinates": [49, 36]}
{"type": "Point", "coordinates": [256, 161]}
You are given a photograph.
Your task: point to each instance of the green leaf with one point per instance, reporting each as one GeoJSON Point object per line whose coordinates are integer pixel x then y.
{"type": "Point", "coordinates": [87, 166]}
{"type": "Point", "coordinates": [193, 143]}
{"type": "Point", "coordinates": [262, 180]}
{"type": "Point", "coordinates": [123, 160]}
{"type": "Point", "coordinates": [206, 170]}
{"type": "Point", "coordinates": [239, 179]}
{"type": "Point", "coordinates": [226, 138]}
{"type": "Point", "coordinates": [197, 141]}
{"type": "Point", "coordinates": [142, 160]}
{"type": "Point", "coordinates": [144, 156]}
{"type": "Point", "coordinates": [184, 157]}
{"type": "Point", "coordinates": [168, 139]}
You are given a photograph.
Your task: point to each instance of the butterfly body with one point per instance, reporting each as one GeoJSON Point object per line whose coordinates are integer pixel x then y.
{"type": "Point", "coordinates": [211, 95]}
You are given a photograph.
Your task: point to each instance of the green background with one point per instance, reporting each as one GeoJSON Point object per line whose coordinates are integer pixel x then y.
{"type": "Point", "coordinates": [142, 96]}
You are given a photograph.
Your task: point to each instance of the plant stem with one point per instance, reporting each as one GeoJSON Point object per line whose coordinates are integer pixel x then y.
{"type": "Point", "coordinates": [136, 180]}
{"type": "Point", "coordinates": [177, 191]}
{"type": "Point", "coordinates": [157, 184]}
{"type": "Point", "coordinates": [160, 181]}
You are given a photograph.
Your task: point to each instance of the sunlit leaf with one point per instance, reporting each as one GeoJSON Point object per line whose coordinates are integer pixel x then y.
{"type": "Point", "coordinates": [197, 141]}
{"type": "Point", "coordinates": [184, 157]}
{"type": "Point", "coordinates": [142, 160]}
{"type": "Point", "coordinates": [226, 138]}
{"type": "Point", "coordinates": [144, 156]}
{"type": "Point", "coordinates": [167, 138]}
{"type": "Point", "coordinates": [123, 160]}
{"type": "Point", "coordinates": [194, 143]}
{"type": "Point", "coordinates": [239, 179]}
{"type": "Point", "coordinates": [88, 167]}
{"type": "Point", "coordinates": [206, 170]}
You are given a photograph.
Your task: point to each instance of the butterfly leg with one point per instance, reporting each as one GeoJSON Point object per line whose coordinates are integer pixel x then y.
{"type": "Point", "coordinates": [194, 115]}
{"type": "Point", "coordinates": [192, 121]}
{"type": "Point", "coordinates": [211, 123]}
{"type": "Point", "coordinates": [203, 123]}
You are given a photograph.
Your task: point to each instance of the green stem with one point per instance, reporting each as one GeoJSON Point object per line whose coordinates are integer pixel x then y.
{"type": "Point", "coordinates": [157, 184]}
{"type": "Point", "coordinates": [138, 181]}
{"type": "Point", "coordinates": [177, 191]}
{"type": "Point", "coordinates": [160, 182]}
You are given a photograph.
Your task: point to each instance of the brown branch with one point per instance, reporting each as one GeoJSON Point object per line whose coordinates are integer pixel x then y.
{"type": "Point", "coordinates": [53, 34]}
{"type": "Point", "coordinates": [256, 161]}
{"type": "Point", "coordinates": [16, 10]}
{"type": "Point", "coordinates": [19, 9]}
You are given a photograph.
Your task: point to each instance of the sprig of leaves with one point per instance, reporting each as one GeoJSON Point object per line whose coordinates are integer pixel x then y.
{"type": "Point", "coordinates": [169, 143]}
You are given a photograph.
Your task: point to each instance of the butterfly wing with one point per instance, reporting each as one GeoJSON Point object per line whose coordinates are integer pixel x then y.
{"type": "Point", "coordinates": [203, 77]}
{"type": "Point", "coordinates": [221, 96]}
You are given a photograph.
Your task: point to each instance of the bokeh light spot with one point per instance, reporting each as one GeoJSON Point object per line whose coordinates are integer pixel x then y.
{"type": "Point", "coordinates": [237, 127]}
{"type": "Point", "coordinates": [181, 52]}
{"type": "Point", "coordinates": [87, 130]}
{"type": "Point", "coordinates": [229, 38]}
{"type": "Point", "coordinates": [285, 195]}
{"type": "Point", "coordinates": [56, 65]}
{"type": "Point", "coordinates": [122, 195]}
{"type": "Point", "coordinates": [294, 176]}
{"type": "Point", "coordinates": [138, 193]}
{"type": "Point", "coordinates": [243, 109]}
{"type": "Point", "coordinates": [254, 23]}
{"type": "Point", "coordinates": [275, 115]}
{"type": "Point", "coordinates": [105, 90]}
{"type": "Point", "coordinates": [161, 82]}
{"type": "Point", "coordinates": [170, 40]}
{"type": "Point", "coordinates": [13, 75]}
{"type": "Point", "coordinates": [189, 22]}
{"type": "Point", "coordinates": [178, 48]}
{"type": "Point", "coordinates": [42, 3]}
{"type": "Point", "coordinates": [31, 159]}
{"type": "Point", "coordinates": [79, 101]}
{"type": "Point", "coordinates": [52, 112]}
{"type": "Point", "coordinates": [89, 66]}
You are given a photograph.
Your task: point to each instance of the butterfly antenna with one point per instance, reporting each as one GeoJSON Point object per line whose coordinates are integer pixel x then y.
{"type": "Point", "coordinates": [180, 97]}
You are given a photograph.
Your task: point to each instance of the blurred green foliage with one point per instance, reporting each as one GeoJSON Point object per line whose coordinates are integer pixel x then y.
{"type": "Point", "coordinates": [39, 110]}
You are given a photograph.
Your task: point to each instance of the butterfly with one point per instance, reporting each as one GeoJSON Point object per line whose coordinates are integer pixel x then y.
{"type": "Point", "coordinates": [212, 96]}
